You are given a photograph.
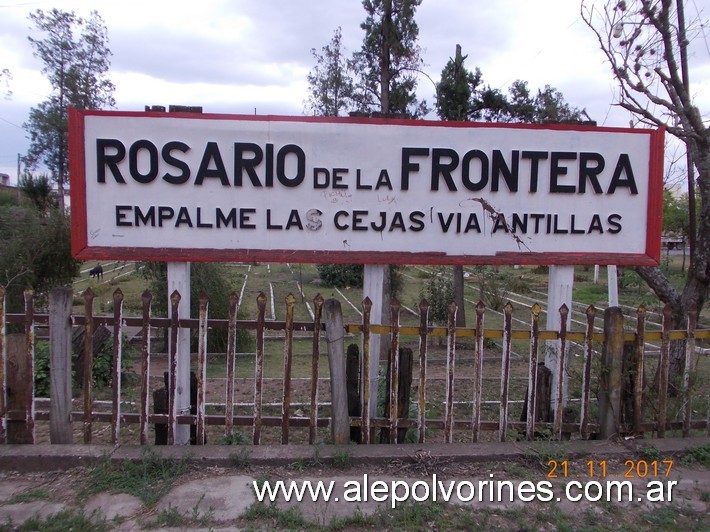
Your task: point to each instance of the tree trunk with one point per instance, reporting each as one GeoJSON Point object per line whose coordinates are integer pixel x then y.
{"type": "Point", "coordinates": [385, 58]}
{"type": "Point", "coordinates": [697, 281]}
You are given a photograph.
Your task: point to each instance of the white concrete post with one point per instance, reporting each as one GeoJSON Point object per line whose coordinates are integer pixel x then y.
{"type": "Point", "coordinates": [613, 283]}
{"type": "Point", "coordinates": [559, 292]}
{"type": "Point", "coordinates": [179, 279]}
{"type": "Point", "coordinates": [373, 282]}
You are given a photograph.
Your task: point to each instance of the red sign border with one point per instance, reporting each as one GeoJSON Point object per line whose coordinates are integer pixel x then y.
{"type": "Point", "coordinates": [82, 250]}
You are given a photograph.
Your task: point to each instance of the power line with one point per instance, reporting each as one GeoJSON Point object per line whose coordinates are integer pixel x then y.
{"type": "Point", "coordinates": [8, 122]}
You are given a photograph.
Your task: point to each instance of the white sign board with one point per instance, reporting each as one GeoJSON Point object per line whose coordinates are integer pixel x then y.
{"type": "Point", "coordinates": [245, 188]}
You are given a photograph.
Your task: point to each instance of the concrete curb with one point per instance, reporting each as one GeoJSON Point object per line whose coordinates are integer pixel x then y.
{"type": "Point", "coordinates": [46, 457]}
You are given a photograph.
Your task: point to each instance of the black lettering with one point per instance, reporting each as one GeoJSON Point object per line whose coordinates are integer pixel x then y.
{"type": "Point", "coordinates": [613, 221]}
{"type": "Point", "coordinates": [103, 159]}
{"type": "Point", "coordinates": [358, 185]}
{"type": "Point", "coordinates": [249, 165]}
{"type": "Point", "coordinates": [183, 217]}
{"type": "Point", "coordinates": [133, 152]}
{"type": "Point", "coordinates": [558, 230]}
{"type": "Point", "coordinates": [336, 221]}
{"type": "Point", "coordinates": [397, 222]}
{"type": "Point", "coordinates": [223, 221]}
{"type": "Point", "coordinates": [146, 219]}
{"type": "Point", "coordinates": [269, 163]}
{"type": "Point", "coordinates": [520, 224]}
{"type": "Point", "coordinates": [466, 168]}
{"type": "Point", "coordinates": [317, 183]}
{"type": "Point", "coordinates": [297, 179]}
{"type": "Point", "coordinates": [472, 223]}
{"type": "Point", "coordinates": [445, 224]}
{"type": "Point", "coordinates": [537, 217]}
{"type": "Point", "coordinates": [200, 223]}
{"type": "Point", "coordinates": [500, 224]}
{"type": "Point", "coordinates": [164, 214]}
{"type": "Point", "coordinates": [590, 174]}
{"type": "Point", "coordinates": [294, 219]}
{"type": "Point", "coordinates": [535, 158]}
{"type": "Point", "coordinates": [338, 175]}
{"type": "Point", "coordinates": [245, 220]}
{"type": "Point", "coordinates": [383, 222]}
{"type": "Point", "coordinates": [443, 169]}
{"type": "Point", "coordinates": [500, 168]}
{"type": "Point", "coordinates": [358, 223]}
{"type": "Point", "coordinates": [167, 155]}
{"type": "Point", "coordinates": [270, 225]}
{"type": "Point", "coordinates": [573, 230]}
{"type": "Point", "coordinates": [383, 180]}
{"type": "Point", "coordinates": [211, 154]}
{"type": "Point", "coordinates": [121, 216]}
{"type": "Point", "coordinates": [596, 225]}
{"type": "Point", "coordinates": [623, 165]}
{"type": "Point", "coordinates": [556, 171]}
{"type": "Point", "coordinates": [409, 166]}
{"type": "Point", "coordinates": [416, 220]}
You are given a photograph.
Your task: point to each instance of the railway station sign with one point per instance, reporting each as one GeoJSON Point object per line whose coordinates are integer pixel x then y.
{"type": "Point", "coordinates": [189, 187]}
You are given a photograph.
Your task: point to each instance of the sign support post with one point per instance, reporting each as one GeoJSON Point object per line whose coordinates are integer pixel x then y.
{"type": "Point", "coordinates": [373, 283]}
{"type": "Point", "coordinates": [613, 285]}
{"type": "Point", "coordinates": [559, 292]}
{"type": "Point", "coordinates": [179, 279]}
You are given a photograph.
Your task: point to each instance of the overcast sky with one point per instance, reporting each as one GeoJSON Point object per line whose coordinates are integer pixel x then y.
{"type": "Point", "coordinates": [246, 56]}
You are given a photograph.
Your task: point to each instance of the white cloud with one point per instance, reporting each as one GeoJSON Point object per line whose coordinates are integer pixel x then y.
{"type": "Point", "coordinates": [237, 55]}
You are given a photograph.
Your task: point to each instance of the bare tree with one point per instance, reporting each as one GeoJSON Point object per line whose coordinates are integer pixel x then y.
{"type": "Point", "coordinates": [646, 43]}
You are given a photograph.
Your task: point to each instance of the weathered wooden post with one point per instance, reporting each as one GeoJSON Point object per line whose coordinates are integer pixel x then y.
{"type": "Point", "coordinates": [335, 336]}
{"type": "Point", "coordinates": [20, 379]}
{"type": "Point", "coordinates": [353, 382]}
{"type": "Point", "coordinates": [610, 382]}
{"type": "Point", "coordinates": [60, 351]}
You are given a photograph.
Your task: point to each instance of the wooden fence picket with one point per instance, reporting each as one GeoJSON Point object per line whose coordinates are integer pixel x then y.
{"type": "Point", "coordinates": [390, 424]}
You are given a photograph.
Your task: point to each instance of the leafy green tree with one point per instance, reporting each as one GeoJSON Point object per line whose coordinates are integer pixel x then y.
{"type": "Point", "coordinates": [385, 68]}
{"type": "Point", "coordinates": [330, 82]}
{"type": "Point", "coordinates": [36, 251]}
{"type": "Point", "coordinates": [461, 95]}
{"type": "Point", "coordinates": [675, 213]}
{"type": "Point", "coordinates": [456, 88]}
{"type": "Point", "coordinates": [210, 278]}
{"type": "Point", "coordinates": [438, 292]}
{"type": "Point", "coordinates": [75, 55]}
{"type": "Point", "coordinates": [39, 191]}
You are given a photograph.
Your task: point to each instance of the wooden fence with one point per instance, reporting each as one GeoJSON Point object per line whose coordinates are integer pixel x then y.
{"type": "Point", "coordinates": [622, 390]}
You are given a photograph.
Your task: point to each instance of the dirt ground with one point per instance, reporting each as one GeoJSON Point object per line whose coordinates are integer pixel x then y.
{"type": "Point", "coordinates": [199, 498]}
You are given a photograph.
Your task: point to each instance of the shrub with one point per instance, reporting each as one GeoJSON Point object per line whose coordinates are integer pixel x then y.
{"type": "Point", "coordinates": [35, 252]}
{"type": "Point", "coordinates": [102, 369]}
{"type": "Point", "coordinates": [210, 278]}
{"type": "Point", "coordinates": [341, 275]}
{"type": "Point", "coordinates": [439, 291]}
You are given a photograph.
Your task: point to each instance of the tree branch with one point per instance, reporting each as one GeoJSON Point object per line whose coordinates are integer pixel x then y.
{"type": "Point", "coordinates": [659, 283]}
